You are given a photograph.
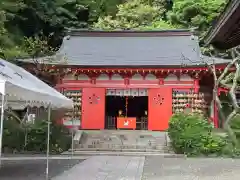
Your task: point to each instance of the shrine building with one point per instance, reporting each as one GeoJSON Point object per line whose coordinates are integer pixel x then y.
{"type": "Point", "coordinates": [133, 79]}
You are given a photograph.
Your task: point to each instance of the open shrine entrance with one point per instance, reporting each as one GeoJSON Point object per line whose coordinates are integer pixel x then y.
{"type": "Point", "coordinates": [126, 109]}
{"type": "Point", "coordinates": [145, 109]}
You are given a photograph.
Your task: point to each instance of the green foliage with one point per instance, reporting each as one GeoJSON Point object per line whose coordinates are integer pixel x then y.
{"type": "Point", "coordinates": [156, 25]}
{"type": "Point", "coordinates": [197, 14]}
{"type": "Point", "coordinates": [52, 17]}
{"type": "Point", "coordinates": [14, 137]}
{"type": "Point", "coordinates": [149, 15]}
{"type": "Point", "coordinates": [37, 46]}
{"type": "Point", "coordinates": [33, 19]}
{"type": "Point", "coordinates": [136, 14]}
{"type": "Point", "coordinates": [191, 134]}
{"type": "Point", "coordinates": [235, 125]}
{"type": "Point", "coordinates": [37, 138]}
{"type": "Point", "coordinates": [231, 149]}
{"type": "Point", "coordinates": [100, 8]}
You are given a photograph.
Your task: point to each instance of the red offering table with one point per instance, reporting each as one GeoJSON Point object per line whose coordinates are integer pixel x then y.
{"type": "Point", "coordinates": [126, 122]}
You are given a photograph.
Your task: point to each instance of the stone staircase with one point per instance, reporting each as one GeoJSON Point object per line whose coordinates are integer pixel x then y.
{"type": "Point", "coordinates": [120, 141]}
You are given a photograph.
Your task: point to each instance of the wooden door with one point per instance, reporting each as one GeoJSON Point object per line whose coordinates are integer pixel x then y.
{"type": "Point", "coordinates": [159, 108]}
{"type": "Point", "coordinates": [93, 108]}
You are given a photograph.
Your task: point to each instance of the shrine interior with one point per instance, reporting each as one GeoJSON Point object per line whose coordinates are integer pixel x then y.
{"type": "Point", "coordinates": [130, 106]}
{"type": "Point", "coordinates": [113, 105]}
{"type": "Point", "coordinates": [137, 106]}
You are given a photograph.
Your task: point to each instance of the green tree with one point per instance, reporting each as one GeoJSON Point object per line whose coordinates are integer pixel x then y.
{"type": "Point", "coordinates": [133, 15]}
{"type": "Point", "coordinates": [21, 19]}
{"type": "Point", "coordinates": [8, 11]}
{"type": "Point", "coordinates": [52, 17]}
{"type": "Point", "coordinates": [198, 14]}
{"type": "Point", "coordinates": [99, 8]}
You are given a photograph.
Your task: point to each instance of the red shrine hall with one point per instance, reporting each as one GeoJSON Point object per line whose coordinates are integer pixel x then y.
{"type": "Point", "coordinates": [134, 79]}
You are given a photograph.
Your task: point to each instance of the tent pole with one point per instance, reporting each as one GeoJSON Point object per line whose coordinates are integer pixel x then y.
{"type": "Point", "coordinates": [48, 142]}
{"type": "Point", "coordinates": [1, 128]}
{"type": "Point", "coordinates": [72, 135]}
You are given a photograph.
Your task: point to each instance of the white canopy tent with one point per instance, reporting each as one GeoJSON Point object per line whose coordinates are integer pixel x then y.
{"type": "Point", "coordinates": [19, 88]}
{"type": "Point", "coordinates": [18, 85]}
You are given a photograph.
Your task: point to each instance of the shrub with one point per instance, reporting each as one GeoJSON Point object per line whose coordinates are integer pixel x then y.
{"type": "Point", "coordinates": [191, 134]}
{"type": "Point", "coordinates": [13, 135]}
{"type": "Point", "coordinates": [235, 125]}
{"type": "Point", "coordinates": [60, 140]}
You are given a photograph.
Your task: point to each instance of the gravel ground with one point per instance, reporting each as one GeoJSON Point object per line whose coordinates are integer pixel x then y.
{"type": "Point", "coordinates": [34, 170]}
{"type": "Point", "coordinates": [160, 168]}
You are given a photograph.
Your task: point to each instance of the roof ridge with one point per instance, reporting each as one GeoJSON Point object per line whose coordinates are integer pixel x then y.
{"type": "Point", "coordinates": [170, 32]}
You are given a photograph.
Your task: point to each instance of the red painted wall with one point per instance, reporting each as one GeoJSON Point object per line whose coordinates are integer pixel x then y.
{"type": "Point", "coordinates": [93, 108]}
{"type": "Point", "coordinates": [93, 115]}
{"type": "Point", "coordinates": [159, 108]}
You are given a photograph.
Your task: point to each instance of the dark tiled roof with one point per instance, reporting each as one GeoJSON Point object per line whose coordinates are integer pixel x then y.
{"type": "Point", "coordinates": [131, 48]}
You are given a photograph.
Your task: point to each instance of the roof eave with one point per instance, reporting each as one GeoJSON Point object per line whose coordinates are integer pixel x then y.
{"type": "Point", "coordinates": [223, 18]}
{"type": "Point", "coordinates": [126, 66]}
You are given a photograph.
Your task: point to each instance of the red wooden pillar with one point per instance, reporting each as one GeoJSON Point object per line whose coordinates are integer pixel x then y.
{"type": "Point", "coordinates": [215, 116]}
{"type": "Point", "coordinates": [215, 109]}
{"type": "Point", "coordinates": [196, 85]}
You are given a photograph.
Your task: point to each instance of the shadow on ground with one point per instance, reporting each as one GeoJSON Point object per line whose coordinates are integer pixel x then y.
{"type": "Point", "coordinates": [35, 169]}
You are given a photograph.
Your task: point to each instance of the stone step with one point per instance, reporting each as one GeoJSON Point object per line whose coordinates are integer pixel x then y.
{"type": "Point", "coordinates": [118, 149]}
{"type": "Point", "coordinates": [121, 140]}
{"type": "Point", "coordinates": [78, 135]}
{"type": "Point", "coordinates": [136, 142]}
{"type": "Point", "coordinates": [109, 153]}
{"type": "Point", "coordinates": [113, 146]}
{"type": "Point", "coordinates": [127, 132]}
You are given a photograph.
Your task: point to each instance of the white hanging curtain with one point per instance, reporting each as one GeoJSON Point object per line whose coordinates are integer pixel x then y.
{"type": "Point", "coordinates": [127, 92]}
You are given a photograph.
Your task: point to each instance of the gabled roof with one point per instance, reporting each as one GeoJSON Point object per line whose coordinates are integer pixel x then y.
{"type": "Point", "coordinates": [131, 48]}
{"type": "Point", "coordinates": [225, 33]}
{"type": "Point", "coordinates": [85, 48]}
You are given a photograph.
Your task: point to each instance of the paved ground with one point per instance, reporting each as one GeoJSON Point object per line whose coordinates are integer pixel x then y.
{"type": "Point", "coordinates": [124, 168]}
{"type": "Point", "coordinates": [106, 168]}
{"type": "Point", "coordinates": [34, 169]}
{"type": "Point", "coordinates": [160, 168]}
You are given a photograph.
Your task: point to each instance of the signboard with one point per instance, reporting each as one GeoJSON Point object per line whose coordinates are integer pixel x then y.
{"type": "Point", "coordinates": [126, 122]}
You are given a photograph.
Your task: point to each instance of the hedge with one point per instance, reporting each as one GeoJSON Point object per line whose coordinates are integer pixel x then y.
{"type": "Point", "coordinates": [14, 137]}
{"type": "Point", "coordinates": [191, 134]}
